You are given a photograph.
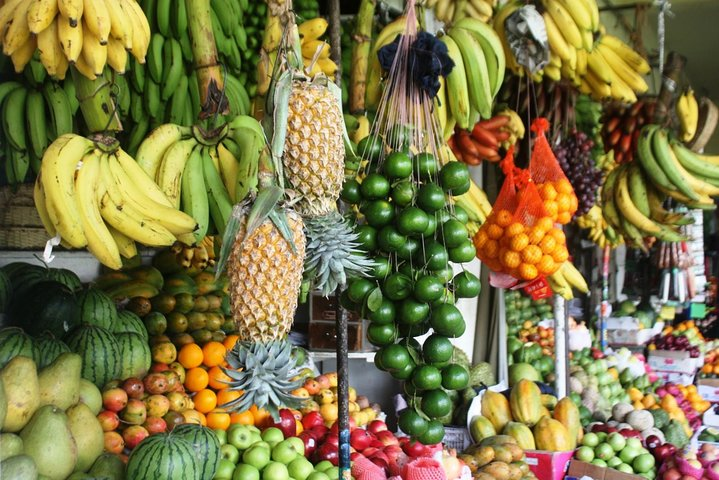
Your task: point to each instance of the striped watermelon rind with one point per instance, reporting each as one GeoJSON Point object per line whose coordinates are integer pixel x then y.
{"type": "Point", "coordinates": [204, 443]}
{"type": "Point", "coordinates": [13, 342]}
{"type": "Point", "coordinates": [50, 348]}
{"type": "Point", "coordinates": [66, 277]}
{"type": "Point", "coordinates": [5, 291]}
{"type": "Point", "coordinates": [100, 353]}
{"type": "Point", "coordinates": [163, 457]}
{"type": "Point", "coordinates": [129, 322]}
{"type": "Point", "coordinates": [96, 308]}
{"type": "Point", "coordinates": [135, 355]}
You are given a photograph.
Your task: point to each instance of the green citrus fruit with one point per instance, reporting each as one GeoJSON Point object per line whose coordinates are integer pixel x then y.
{"type": "Point", "coordinates": [378, 213]}
{"type": "Point", "coordinates": [346, 303]}
{"type": "Point", "coordinates": [397, 286]}
{"type": "Point", "coordinates": [434, 256]}
{"type": "Point", "coordinates": [461, 214]}
{"type": "Point", "coordinates": [366, 237]}
{"type": "Point", "coordinates": [407, 269]}
{"type": "Point", "coordinates": [395, 357]}
{"type": "Point", "coordinates": [408, 249]}
{"type": "Point", "coordinates": [454, 233]}
{"type": "Point", "coordinates": [445, 274]}
{"type": "Point", "coordinates": [403, 193]}
{"type": "Point", "coordinates": [426, 377]}
{"type": "Point", "coordinates": [431, 226]}
{"type": "Point", "coordinates": [436, 403]}
{"type": "Point", "coordinates": [384, 314]}
{"type": "Point", "coordinates": [412, 312]}
{"type": "Point", "coordinates": [374, 187]}
{"type": "Point", "coordinates": [351, 192]}
{"type": "Point", "coordinates": [370, 148]}
{"type": "Point", "coordinates": [454, 176]}
{"type": "Point", "coordinates": [413, 330]}
{"type": "Point", "coordinates": [446, 297]}
{"type": "Point", "coordinates": [412, 221]}
{"type": "Point", "coordinates": [428, 288]}
{"type": "Point", "coordinates": [455, 377]}
{"type": "Point", "coordinates": [465, 252]}
{"type": "Point", "coordinates": [398, 165]}
{"type": "Point", "coordinates": [446, 319]}
{"type": "Point", "coordinates": [466, 285]}
{"type": "Point", "coordinates": [430, 197]}
{"type": "Point", "coordinates": [382, 266]}
{"type": "Point", "coordinates": [426, 165]}
{"type": "Point", "coordinates": [411, 423]}
{"type": "Point", "coordinates": [389, 239]}
{"type": "Point", "coordinates": [405, 373]}
{"type": "Point", "coordinates": [437, 349]}
{"type": "Point", "coordinates": [358, 289]}
{"type": "Point", "coordinates": [433, 435]}
{"type": "Point", "coordinates": [381, 334]}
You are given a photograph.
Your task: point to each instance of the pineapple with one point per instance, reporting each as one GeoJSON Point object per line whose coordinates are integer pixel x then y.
{"type": "Point", "coordinates": [314, 153]}
{"type": "Point", "coordinates": [265, 276]}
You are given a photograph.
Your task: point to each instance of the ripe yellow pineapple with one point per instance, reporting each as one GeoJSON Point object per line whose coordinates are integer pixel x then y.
{"type": "Point", "coordinates": [314, 148]}
{"type": "Point", "coordinates": [265, 276]}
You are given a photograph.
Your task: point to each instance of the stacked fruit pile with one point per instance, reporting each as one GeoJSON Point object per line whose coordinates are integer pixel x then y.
{"type": "Point", "coordinates": [486, 138]}
{"type": "Point", "coordinates": [710, 369]}
{"type": "Point", "coordinates": [692, 463]}
{"type": "Point", "coordinates": [527, 340]}
{"type": "Point", "coordinates": [321, 392]}
{"type": "Point", "coordinates": [596, 384]}
{"type": "Point", "coordinates": [615, 450]}
{"type": "Point", "coordinates": [684, 336]}
{"type": "Point", "coordinates": [574, 155]}
{"type": "Point", "coordinates": [498, 456]}
{"type": "Point", "coordinates": [683, 404]}
{"type": "Point", "coordinates": [621, 124]}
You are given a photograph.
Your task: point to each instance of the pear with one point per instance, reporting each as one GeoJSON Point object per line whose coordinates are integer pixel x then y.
{"type": "Point", "coordinates": [87, 433]}
{"type": "Point", "coordinates": [19, 467]}
{"type": "Point", "coordinates": [91, 396]}
{"type": "Point", "coordinates": [48, 440]}
{"type": "Point", "coordinates": [3, 406]}
{"type": "Point", "coordinates": [60, 381]}
{"type": "Point", "coordinates": [22, 391]}
{"type": "Point", "coordinates": [10, 445]}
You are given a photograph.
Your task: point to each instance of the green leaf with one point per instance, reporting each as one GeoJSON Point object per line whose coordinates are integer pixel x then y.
{"type": "Point", "coordinates": [374, 299]}
{"type": "Point", "coordinates": [414, 355]}
{"type": "Point", "coordinates": [279, 218]}
{"type": "Point", "coordinates": [337, 92]}
{"type": "Point", "coordinates": [264, 204]}
{"type": "Point", "coordinates": [228, 239]}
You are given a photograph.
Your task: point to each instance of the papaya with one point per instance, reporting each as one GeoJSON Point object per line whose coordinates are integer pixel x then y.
{"type": "Point", "coordinates": [551, 435]}
{"type": "Point", "coordinates": [521, 433]}
{"type": "Point", "coordinates": [549, 401]}
{"type": "Point", "coordinates": [480, 428]}
{"type": "Point", "coordinates": [567, 413]}
{"type": "Point", "coordinates": [525, 401]}
{"type": "Point", "coordinates": [495, 407]}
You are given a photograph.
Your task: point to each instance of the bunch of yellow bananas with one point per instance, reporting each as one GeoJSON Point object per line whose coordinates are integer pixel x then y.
{"type": "Point", "coordinates": [567, 279]}
{"type": "Point", "coordinates": [688, 112]}
{"type": "Point", "coordinates": [600, 232]}
{"type": "Point", "coordinates": [448, 11]}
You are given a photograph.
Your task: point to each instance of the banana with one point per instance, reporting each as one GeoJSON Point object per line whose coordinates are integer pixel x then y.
{"type": "Point", "coordinates": [36, 122]}
{"type": "Point", "coordinates": [194, 198]}
{"type": "Point", "coordinates": [439, 105]}
{"type": "Point", "coordinates": [131, 289]}
{"type": "Point", "coordinates": [178, 101]}
{"type": "Point", "coordinates": [13, 111]}
{"type": "Point", "coordinates": [648, 161]}
{"type": "Point", "coordinates": [669, 165]}
{"type": "Point", "coordinates": [100, 241]}
{"type": "Point", "coordinates": [41, 14]}
{"type": "Point", "coordinates": [557, 43]}
{"type": "Point", "coordinates": [480, 94]}
{"type": "Point", "coordinates": [272, 35]}
{"type": "Point", "coordinates": [659, 214]}
{"type": "Point", "coordinates": [155, 59]}
{"type": "Point", "coordinates": [220, 203]}
{"type": "Point", "coordinates": [621, 90]}
{"type": "Point", "coordinates": [137, 134]}
{"type": "Point", "coordinates": [141, 179]}
{"type": "Point", "coordinates": [560, 286]}
{"type": "Point", "coordinates": [627, 53]}
{"type": "Point", "coordinates": [152, 150]}
{"type": "Point", "coordinates": [84, 68]}
{"type": "Point", "coordinates": [581, 62]}
{"type": "Point", "coordinates": [457, 88]}
{"type": "Point", "coordinates": [492, 48]}
{"type": "Point", "coordinates": [152, 98]}
{"type": "Point", "coordinates": [598, 65]}
{"type": "Point", "coordinates": [574, 277]}
{"type": "Point", "coordinates": [125, 245]}
{"type": "Point", "coordinates": [116, 55]}
{"type": "Point", "coordinates": [140, 30]}
{"type": "Point", "coordinates": [565, 23]}
{"type": "Point", "coordinates": [71, 10]}
{"type": "Point", "coordinates": [93, 51]}
{"type": "Point", "coordinates": [59, 165]}
{"type": "Point", "coordinates": [18, 32]}
{"type": "Point", "coordinates": [40, 201]}
{"type": "Point", "coordinates": [173, 67]}
{"type": "Point", "coordinates": [688, 113]}
{"type": "Point", "coordinates": [16, 165]}
{"type": "Point", "coordinates": [696, 164]}
{"type": "Point", "coordinates": [593, 8]}
{"type": "Point", "coordinates": [697, 185]}
{"type": "Point", "coordinates": [638, 189]}
{"type": "Point", "coordinates": [169, 175]}
{"type": "Point", "coordinates": [629, 211]}
{"type": "Point", "coordinates": [97, 19]}
{"type": "Point", "coordinates": [163, 12]}
{"type": "Point", "coordinates": [120, 24]}
{"type": "Point", "coordinates": [607, 195]}
{"type": "Point", "coordinates": [312, 29]}
{"type": "Point", "coordinates": [621, 68]}
{"type": "Point", "coordinates": [246, 132]}
{"type": "Point", "coordinates": [70, 38]}
{"type": "Point", "coordinates": [51, 54]}
{"type": "Point", "coordinates": [7, 10]}
{"type": "Point", "coordinates": [310, 48]}
{"type": "Point", "coordinates": [580, 13]}
{"type": "Point", "coordinates": [22, 56]}
{"type": "Point", "coordinates": [180, 23]}
{"type": "Point", "coordinates": [58, 104]}
{"type": "Point", "coordinates": [229, 169]}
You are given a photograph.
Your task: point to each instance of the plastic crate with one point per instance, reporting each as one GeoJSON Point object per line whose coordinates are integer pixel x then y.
{"type": "Point", "coordinates": [457, 438]}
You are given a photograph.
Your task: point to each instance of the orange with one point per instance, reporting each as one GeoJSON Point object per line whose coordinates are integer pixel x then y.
{"type": "Point", "coordinates": [214, 354]}
{"type": "Point", "coordinates": [480, 239]}
{"type": "Point", "coordinates": [218, 419]}
{"type": "Point", "coordinates": [564, 218]}
{"type": "Point", "coordinates": [544, 223]}
{"type": "Point", "coordinates": [563, 202]}
{"type": "Point", "coordinates": [217, 378]}
{"type": "Point", "coordinates": [558, 235]}
{"type": "Point", "coordinates": [546, 265]}
{"type": "Point", "coordinates": [503, 218]}
{"type": "Point", "coordinates": [547, 192]}
{"type": "Point", "coordinates": [560, 255]}
{"type": "Point", "coordinates": [527, 271]}
{"type": "Point", "coordinates": [329, 412]}
{"type": "Point", "coordinates": [491, 249]}
{"type": "Point", "coordinates": [532, 254]}
{"type": "Point", "coordinates": [510, 259]}
{"type": "Point", "coordinates": [190, 355]}
{"type": "Point", "coordinates": [196, 379]}
{"type": "Point", "coordinates": [548, 244]}
{"type": "Point", "coordinates": [193, 416]}
{"type": "Point", "coordinates": [551, 207]}
{"type": "Point", "coordinates": [226, 396]}
{"type": "Point", "coordinates": [519, 242]}
{"type": "Point", "coordinates": [514, 229]}
{"type": "Point", "coordinates": [494, 232]}
{"type": "Point", "coordinates": [563, 186]}
{"type": "Point", "coordinates": [261, 415]}
{"type": "Point", "coordinates": [230, 341]}
{"type": "Point", "coordinates": [573, 203]}
{"type": "Point", "coordinates": [243, 418]}
{"type": "Point", "coordinates": [205, 400]}
{"type": "Point", "coordinates": [536, 235]}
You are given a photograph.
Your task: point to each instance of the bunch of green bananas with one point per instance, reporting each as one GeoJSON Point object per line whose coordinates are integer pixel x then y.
{"type": "Point", "coordinates": [251, 23]}
{"type": "Point", "coordinates": [306, 9]}
{"type": "Point", "coordinates": [204, 174]}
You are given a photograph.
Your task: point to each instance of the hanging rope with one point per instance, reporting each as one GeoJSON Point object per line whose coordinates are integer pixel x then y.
{"type": "Point", "coordinates": [664, 10]}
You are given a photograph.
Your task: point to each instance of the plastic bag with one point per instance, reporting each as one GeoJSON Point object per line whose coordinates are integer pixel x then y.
{"type": "Point", "coordinates": [555, 190]}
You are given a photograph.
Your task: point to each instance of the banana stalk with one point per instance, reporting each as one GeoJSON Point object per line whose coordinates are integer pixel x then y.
{"type": "Point", "coordinates": [96, 103]}
{"type": "Point", "coordinates": [362, 37]}
{"type": "Point", "coordinates": [204, 51]}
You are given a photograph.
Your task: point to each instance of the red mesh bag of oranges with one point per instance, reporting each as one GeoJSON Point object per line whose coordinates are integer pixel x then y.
{"type": "Point", "coordinates": [519, 238]}
{"type": "Point", "coordinates": [557, 194]}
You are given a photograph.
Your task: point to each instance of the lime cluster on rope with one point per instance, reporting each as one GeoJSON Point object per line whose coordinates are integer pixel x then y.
{"type": "Point", "coordinates": [411, 229]}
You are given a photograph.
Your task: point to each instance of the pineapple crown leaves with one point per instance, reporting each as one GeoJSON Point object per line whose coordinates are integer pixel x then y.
{"type": "Point", "coordinates": [266, 373]}
{"type": "Point", "coordinates": [332, 253]}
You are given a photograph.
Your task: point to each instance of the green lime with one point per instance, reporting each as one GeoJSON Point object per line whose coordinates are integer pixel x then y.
{"type": "Point", "coordinates": [380, 335]}
{"type": "Point", "coordinates": [466, 285]}
{"type": "Point", "coordinates": [405, 373]}
{"type": "Point", "coordinates": [446, 297]}
{"type": "Point", "coordinates": [399, 137]}
{"type": "Point", "coordinates": [430, 197]}
{"type": "Point", "coordinates": [408, 249]}
{"type": "Point", "coordinates": [351, 192]}
{"type": "Point", "coordinates": [406, 268]}
{"type": "Point", "coordinates": [397, 286]}
{"type": "Point", "coordinates": [433, 435]}
{"type": "Point", "coordinates": [384, 314]}
{"type": "Point", "coordinates": [412, 312]}
{"type": "Point", "coordinates": [455, 192]}
{"type": "Point", "coordinates": [358, 289]}
{"type": "Point", "coordinates": [412, 221]}
{"type": "Point", "coordinates": [398, 165]}
{"type": "Point", "coordinates": [413, 330]}
{"type": "Point", "coordinates": [454, 176]}
{"type": "Point", "coordinates": [454, 233]}
{"type": "Point", "coordinates": [389, 239]}
{"type": "Point", "coordinates": [411, 343]}
{"type": "Point", "coordinates": [434, 256]}
{"type": "Point", "coordinates": [378, 360]}
{"type": "Point", "coordinates": [428, 288]}
{"type": "Point", "coordinates": [374, 186]}
{"type": "Point", "coordinates": [378, 213]}
{"type": "Point", "coordinates": [426, 377]}
{"type": "Point", "coordinates": [461, 214]}
{"type": "Point", "coordinates": [426, 165]}
{"type": "Point", "coordinates": [436, 403]}
{"type": "Point", "coordinates": [445, 274]}
{"type": "Point", "coordinates": [382, 266]}
{"type": "Point", "coordinates": [346, 303]}
{"type": "Point", "coordinates": [455, 377]}
{"type": "Point", "coordinates": [409, 389]}
{"type": "Point", "coordinates": [465, 252]}
{"type": "Point", "coordinates": [446, 319]}
{"type": "Point", "coordinates": [431, 226]}
{"type": "Point", "coordinates": [370, 148]}
{"type": "Point", "coordinates": [366, 237]}
{"type": "Point", "coordinates": [395, 357]}
{"type": "Point", "coordinates": [403, 193]}
{"type": "Point", "coordinates": [442, 216]}
{"type": "Point", "coordinates": [411, 423]}
{"type": "Point", "coordinates": [437, 349]}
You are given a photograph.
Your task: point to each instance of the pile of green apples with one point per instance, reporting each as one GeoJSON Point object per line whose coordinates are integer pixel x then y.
{"type": "Point", "coordinates": [614, 450]}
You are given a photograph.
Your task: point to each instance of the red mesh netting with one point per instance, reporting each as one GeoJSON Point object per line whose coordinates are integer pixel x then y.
{"type": "Point", "coordinates": [364, 469]}
{"type": "Point", "coordinates": [424, 469]}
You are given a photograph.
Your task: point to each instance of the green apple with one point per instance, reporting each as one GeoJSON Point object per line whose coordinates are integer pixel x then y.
{"type": "Point", "coordinates": [225, 470]}
{"type": "Point", "coordinates": [636, 444]}
{"type": "Point", "coordinates": [617, 441]}
{"type": "Point", "coordinates": [253, 429]}
{"type": "Point", "coordinates": [318, 476]}
{"type": "Point", "coordinates": [239, 437]}
{"type": "Point", "coordinates": [601, 436]}
{"type": "Point", "coordinates": [628, 455]}
{"type": "Point", "coordinates": [221, 435]}
{"type": "Point", "coordinates": [255, 437]}
{"type": "Point", "coordinates": [613, 462]}
{"type": "Point", "coordinates": [273, 436]}
{"type": "Point", "coordinates": [590, 440]}
{"type": "Point", "coordinates": [262, 444]}
{"type": "Point", "coordinates": [256, 456]}
{"type": "Point", "coordinates": [323, 465]}
{"type": "Point", "coordinates": [275, 471]}
{"type": "Point", "coordinates": [599, 462]}
{"type": "Point", "coordinates": [584, 453]}
{"type": "Point", "coordinates": [298, 444]}
{"type": "Point", "coordinates": [300, 468]}
{"type": "Point", "coordinates": [643, 463]}
{"type": "Point", "coordinates": [603, 451]}
{"type": "Point", "coordinates": [246, 472]}
{"type": "Point", "coordinates": [286, 451]}
{"type": "Point", "coordinates": [230, 452]}
{"type": "Point", "coordinates": [623, 467]}
{"type": "Point", "coordinates": [333, 472]}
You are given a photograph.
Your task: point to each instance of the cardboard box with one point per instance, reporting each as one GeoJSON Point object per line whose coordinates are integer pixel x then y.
{"type": "Point", "coordinates": [708, 388]}
{"type": "Point", "coordinates": [678, 378]}
{"type": "Point", "coordinates": [578, 470]}
{"type": "Point", "coordinates": [548, 465]}
{"type": "Point", "coordinates": [674, 361]}
{"type": "Point", "coordinates": [710, 418]}
{"type": "Point", "coordinates": [626, 331]}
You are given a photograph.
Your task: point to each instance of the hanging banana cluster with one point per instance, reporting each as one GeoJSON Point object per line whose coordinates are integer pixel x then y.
{"type": "Point", "coordinates": [448, 11]}
{"type": "Point", "coordinates": [688, 112]}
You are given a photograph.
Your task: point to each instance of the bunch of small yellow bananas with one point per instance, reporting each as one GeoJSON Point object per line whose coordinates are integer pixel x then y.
{"type": "Point", "coordinates": [600, 232]}
{"type": "Point", "coordinates": [688, 112]}
{"type": "Point", "coordinates": [567, 279]}
{"type": "Point", "coordinates": [86, 33]}
{"type": "Point", "coordinates": [448, 11]}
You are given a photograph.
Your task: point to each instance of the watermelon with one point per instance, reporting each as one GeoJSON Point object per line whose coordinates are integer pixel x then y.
{"type": "Point", "coordinates": [204, 443]}
{"type": "Point", "coordinates": [66, 277]}
{"type": "Point", "coordinates": [5, 291]}
{"type": "Point", "coordinates": [135, 355]}
{"type": "Point", "coordinates": [14, 342]}
{"type": "Point", "coordinates": [46, 305]}
{"type": "Point", "coordinates": [50, 348]}
{"type": "Point", "coordinates": [165, 456]}
{"type": "Point", "coordinates": [96, 308]}
{"type": "Point", "coordinates": [129, 322]}
{"type": "Point", "coordinates": [100, 353]}
{"type": "Point", "coordinates": [24, 275]}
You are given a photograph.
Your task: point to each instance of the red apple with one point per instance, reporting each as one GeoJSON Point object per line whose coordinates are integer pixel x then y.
{"type": "Point", "coordinates": [332, 439]}
{"type": "Point", "coordinates": [355, 455]}
{"type": "Point", "coordinates": [133, 387]}
{"type": "Point", "coordinates": [376, 426]}
{"type": "Point", "coordinates": [133, 435]}
{"type": "Point", "coordinates": [415, 449]}
{"type": "Point", "coordinates": [287, 423]}
{"type": "Point", "coordinates": [312, 419]}
{"type": "Point", "coordinates": [310, 443]}
{"type": "Point", "coordinates": [360, 439]}
{"type": "Point", "coordinates": [335, 428]}
{"type": "Point", "coordinates": [109, 420]}
{"type": "Point", "coordinates": [328, 452]}
{"type": "Point", "coordinates": [114, 399]}
{"type": "Point", "coordinates": [134, 413]}
{"type": "Point", "coordinates": [369, 451]}
{"type": "Point", "coordinates": [387, 438]}
{"type": "Point", "coordinates": [155, 425]}
{"type": "Point", "coordinates": [320, 432]}
{"type": "Point", "coordinates": [380, 459]}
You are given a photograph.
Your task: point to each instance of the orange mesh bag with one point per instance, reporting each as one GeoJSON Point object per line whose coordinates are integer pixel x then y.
{"type": "Point", "coordinates": [557, 194]}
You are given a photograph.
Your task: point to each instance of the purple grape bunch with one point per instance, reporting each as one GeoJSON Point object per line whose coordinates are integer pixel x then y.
{"type": "Point", "coordinates": [574, 155]}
